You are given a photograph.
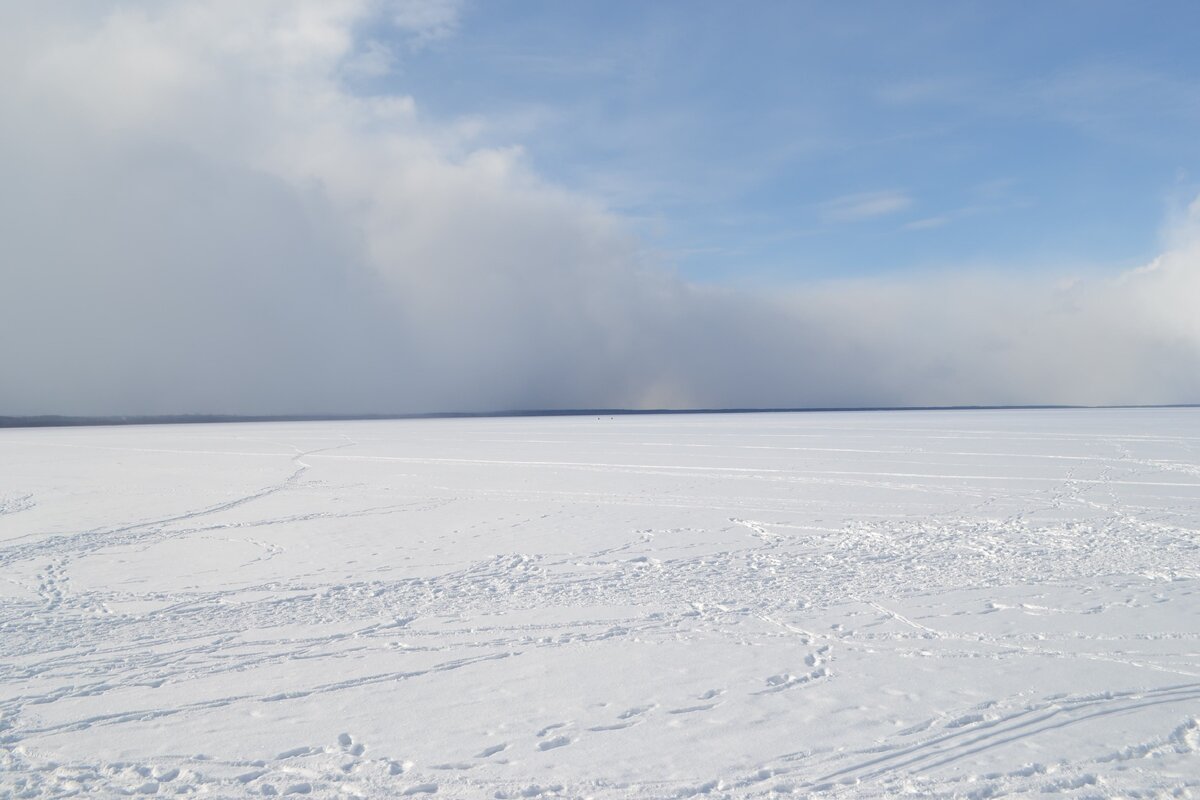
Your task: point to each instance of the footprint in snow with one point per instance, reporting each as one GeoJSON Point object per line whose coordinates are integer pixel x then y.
{"type": "Point", "coordinates": [711, 694]}
{"type": "Point", "coordinates": [549, 728]}
{"type": "Point", "coordinates": [350, 746]}
{"type": "Point", "coordinates": [636, 711]}
{"type": "Point", "coordinates": [815, 659]}
{"type": "Point", "coordinates": [488, 752]}
{"type": "Point", "coordinates": [616, 726]}
{"type": "Point", "coordinates": [296, 752]}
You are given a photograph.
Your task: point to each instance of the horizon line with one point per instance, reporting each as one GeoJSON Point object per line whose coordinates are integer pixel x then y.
{"type": "Point", "coordinates": [73, 421]}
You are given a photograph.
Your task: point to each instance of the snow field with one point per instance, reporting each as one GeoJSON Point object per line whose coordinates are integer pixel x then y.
{"type": "Point", "coordinates": [859, 604]}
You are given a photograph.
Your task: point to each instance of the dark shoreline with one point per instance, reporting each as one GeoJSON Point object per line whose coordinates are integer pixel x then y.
{"type": "Point", "coordinates": [57, 421]}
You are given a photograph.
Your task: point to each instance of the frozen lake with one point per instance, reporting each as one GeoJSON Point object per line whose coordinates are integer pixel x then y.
{"type": "Point", "coordinates": [855, 604]}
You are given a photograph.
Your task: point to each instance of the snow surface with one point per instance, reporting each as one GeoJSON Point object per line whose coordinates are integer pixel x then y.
{"type": "Point", "coordinates": [965, 603]}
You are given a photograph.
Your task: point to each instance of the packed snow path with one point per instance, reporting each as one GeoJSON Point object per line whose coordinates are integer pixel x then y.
{"type": "Point", "coordinates": [964, 603]}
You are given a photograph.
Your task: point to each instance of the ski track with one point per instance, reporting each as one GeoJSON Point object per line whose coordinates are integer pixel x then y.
{"type": "Point", "coordinates": [943, 604]}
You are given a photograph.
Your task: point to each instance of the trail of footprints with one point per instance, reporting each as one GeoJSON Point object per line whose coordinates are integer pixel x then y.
{"type": "Point", "coordinates": [345, 766]}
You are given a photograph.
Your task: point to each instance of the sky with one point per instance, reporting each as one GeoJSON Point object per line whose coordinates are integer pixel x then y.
{"type": "Point", "coordinates": [374, 206]}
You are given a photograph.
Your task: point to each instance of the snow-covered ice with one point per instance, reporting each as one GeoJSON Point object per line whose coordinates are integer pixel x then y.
{"type": "Point", "coordinates": [868, 604]}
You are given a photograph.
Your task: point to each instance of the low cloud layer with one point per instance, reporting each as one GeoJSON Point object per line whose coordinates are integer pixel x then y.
{"type": "Point", "coordinates": [198, 214]}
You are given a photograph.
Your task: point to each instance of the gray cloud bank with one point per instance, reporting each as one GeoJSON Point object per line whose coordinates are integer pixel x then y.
{"type": "Point", "coordinates": [196, 215]}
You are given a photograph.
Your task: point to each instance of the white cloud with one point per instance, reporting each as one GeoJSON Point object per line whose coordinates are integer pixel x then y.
{"type": "Point", "coordinates": [374, 60]}
{"type": "Point", "coordinates": [198, 216]}
{"type": "Point", "coordinates": [857, 207]}
{"type": "Point", "coordinates": [427, 20]}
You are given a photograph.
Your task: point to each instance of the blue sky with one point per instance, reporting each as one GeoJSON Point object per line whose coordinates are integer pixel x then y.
{"type": "Point", "coordinates": [775, 142]}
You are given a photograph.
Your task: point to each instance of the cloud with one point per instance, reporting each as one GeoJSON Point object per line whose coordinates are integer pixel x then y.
{"type": "Point", "coordinates": [927, 223]}
{"type": "Point", "coordinates": [374, 60]}
{"type": "Point", "coordinates": [857, 207]}
{"type": "Point", "coordinates": [1116, 102]}
{"type": "Point", "coordinates": [427, 20]}
{"type": "Point", "coordinates": [199, 216]}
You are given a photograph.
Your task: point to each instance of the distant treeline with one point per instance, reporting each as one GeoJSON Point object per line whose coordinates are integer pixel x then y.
{"type": "Point", "coordinates": [57, 421]}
